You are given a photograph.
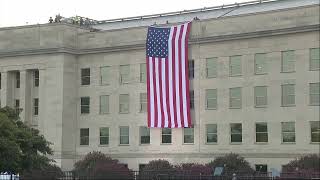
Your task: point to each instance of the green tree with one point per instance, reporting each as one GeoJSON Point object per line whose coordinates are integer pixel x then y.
{"type": "Point", "coordinates": [232, 163]}
{"type": "Point", "coordinates": [21, 148]}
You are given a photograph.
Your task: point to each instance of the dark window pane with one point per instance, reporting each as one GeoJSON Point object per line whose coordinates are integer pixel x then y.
{"type": "Point", "coordinates": [236, 138]}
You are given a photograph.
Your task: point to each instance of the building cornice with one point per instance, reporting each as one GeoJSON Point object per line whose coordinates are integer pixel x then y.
{"type": "Point", "coordinates": [141, 45]}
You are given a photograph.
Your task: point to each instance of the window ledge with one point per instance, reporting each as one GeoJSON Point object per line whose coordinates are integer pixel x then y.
{"type": "Point", "coordinates": [165, 143]}
{"type": "Point", "coordinates": [234, 107]}
{"type": "Point", "coordinates": [84, 145]}
{"type": "Point", "coordinates": [104, 113]}
{"type": "Point", "coordinates": [314, 142]}
{"type": "Point", "coordinates": [236, 75]}
{"type": "Point", "coordinates": [84, 85]}
{"type": "Point", "coordinates": [287, 72]}
{"type": "Point", "coordinates": [293, 105]}
{"type": "Point", "coordinates": [288, 143]}
{"type": "Point", "coordinates": [124, 144]}
{"type": "Point", "coordinates": [103, 145]}
{"type": "Point", "coordinates": [124, 112]}
{"type": "Point", "coordinates": [211, 77]}
{"type": "Point", "coordinates": [314, 104]}
{"type": "Point", "coordinates": [211, 108]}
{"type": "Point", "coordinates": [261, 143]}
{"type": "Point", "coordinates": [236, 143]}
{"type": "Point", "coordinates": [187, 143]}
{"type": "Point", "coordinates": [84, 114]}
{"type": "Point", "coordinates": [104, 84]}
{"type": "Point", "coordinates": [260, 106]}
{"type": "Point", "coordinates": [144, 144]}
{"type": "Point", "coordinates": [211, 143]}
{"type": "Point", "coordinates": [260, 73]}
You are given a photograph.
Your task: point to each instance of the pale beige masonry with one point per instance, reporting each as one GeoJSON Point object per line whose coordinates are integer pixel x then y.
{"type": "Point", "coordinates": [60, 51]}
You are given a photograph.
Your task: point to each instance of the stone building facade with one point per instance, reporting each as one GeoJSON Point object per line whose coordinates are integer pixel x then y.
{"type": "Point", "coordinates": [254, 76]}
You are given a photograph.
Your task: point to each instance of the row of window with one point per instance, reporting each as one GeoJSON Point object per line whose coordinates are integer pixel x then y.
{"type": "Point", "coordinates": [35, 75]}
{"type": "Point", "coordinates": [288, 134]}
{"type": "Point", "coordinates": [235, 67]}
{"type": "Point", "coordinates": [35, 106]}
{"type": "Point", "coordinates": [211, 98]}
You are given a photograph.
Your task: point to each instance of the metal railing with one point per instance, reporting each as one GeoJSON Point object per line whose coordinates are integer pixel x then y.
{"type": "Point", "coordinates": [185, 11]}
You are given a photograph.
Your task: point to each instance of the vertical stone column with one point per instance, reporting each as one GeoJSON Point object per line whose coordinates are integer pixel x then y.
{"type": "Point", "coordinates": [4, 89]}
{"type": "Point", "coordinates": [23, 94]}
{"type": "Point", "coordinates": [42, 100]}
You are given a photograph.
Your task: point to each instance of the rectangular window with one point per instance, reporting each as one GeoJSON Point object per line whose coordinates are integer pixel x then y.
{"type": "Point", "coordinates": [17, 79]}
{"type": "Point", "coordinates": [260, 96]}
{"type": "Point", "coordinates": [262, 168]}
{"type": "Point", "coordinates": [144, 135]}
{"type": "Point", "coordinates": [36, 78]}
{"type": "Point", "coordinates": [143, 102]}
{"type": "Point", "coordinates": [212, 135]}
{"type": "Point", "coordinates": [105, 75]}
{"type": "Point", "coordinates": [260, 63]}
{"type": "Point", "coordinates": [314, 93]}
{"type": "Point", "coordinates": [0, 80]}
{"type": "Point", "coordinates": [315, 131]}
{"type": "Point", "coordinates": [314, 59]}
{"type": "Point", "coordinates": [191, 93]}
{"type": "Point", "coordinates": [85, 105]}
{"type": "Point", "coordinates": [235, 66]}
{"type": "Point", "coordinates": [188, 135]}
{"type": "Point", "coordinates": [35, 106]}
{"type": "Point", "coordinates": [17, 106]}
{"type": "Point", "coordinates": [104, 104]}
{"type": "Point", "coordinates": [288, 94]}
{"type": "Point", "coordinates": [124, 74]}
{"type": "Point", "coordinates": [235, 97]}
{"type": "Point", "coordinates": [191, 69]}
{"type": "Point", "coordinates": [288, 132]}
{"type": "Point", "coordinates": [84, 136]}
{"type": "Point", "coordinates": [261, 132]}
{"type": "Point", "coordinates": [236, 132]}
{"type": "Point", "coordinates": [287, 61]}
{"type": "Point", "coordinates": [104, 136]}
{"type": "Point", "coordinates": [124, 103]}
{"type": "Point", "coordinates": [211, 67]}
{"type": "Point", "coordinates": [85, 76]}
{"type": "Point", "coordinates": [124, 134]}
{"type": "Point", "coordinates": [166, 136]}
{"type": "Point", "coordinates": [143, 72]}
{"type": "Point", "coordinates": [211, 99]}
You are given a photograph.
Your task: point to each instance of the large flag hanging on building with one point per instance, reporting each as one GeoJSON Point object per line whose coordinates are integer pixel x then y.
{"type": "Point", "coordinates": [167, 76]}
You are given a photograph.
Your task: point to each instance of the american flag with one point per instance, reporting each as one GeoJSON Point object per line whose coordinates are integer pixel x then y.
{"type": "Point", "coordinates": [167, 76]}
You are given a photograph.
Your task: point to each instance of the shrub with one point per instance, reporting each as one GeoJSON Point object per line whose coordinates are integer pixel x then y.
{"type": "Point", "coordinates": [232, 163]}
{"type": "Point", "coordinates": [156, 168]}
{"type": "Point", "coordinates": [307, 165]}
{"type": "Point", "coordinates": [192, 171]}
{"type": "Point", "coordinates": [98, 166]}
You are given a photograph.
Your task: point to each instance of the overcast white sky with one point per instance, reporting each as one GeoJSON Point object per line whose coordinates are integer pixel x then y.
{"type": "Point", "coordinates": [22, 12]}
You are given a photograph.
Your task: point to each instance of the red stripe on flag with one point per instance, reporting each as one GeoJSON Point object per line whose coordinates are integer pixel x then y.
{"type": "Point", "coordinates": [161, 93]}
{"type": "Point", "coordinates": [148, 93]}
{"type": "Point", "coordinates": [155, 93]}
{"type": "Point", "coordinates": [167, 92]}
{"type": "Point", "coordinates": [173, 76]}
{"type": "Point", "coordinates": [180, 77]}
{"type": "Point", "coordinates": [187, 76]}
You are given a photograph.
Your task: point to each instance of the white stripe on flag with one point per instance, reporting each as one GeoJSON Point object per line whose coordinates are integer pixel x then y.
{"type": "Point", "coordinates": [183, 65]}
{"type": "Point", "coordinates": [177, 59]}
{"type": "Point", "coordinates": [156, 62]}
{"type": "Point", "coordinates": [170, 77]}
{"type": "Point", "coordinates": [151, 92]}
{"type": "Point", "coordinates": [164, 97]}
